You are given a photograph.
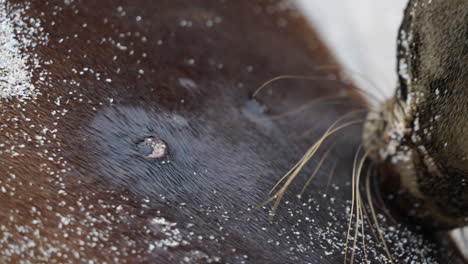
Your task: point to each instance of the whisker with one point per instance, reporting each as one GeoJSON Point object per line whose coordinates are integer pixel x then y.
{"type": "Point", "coordinates": [350, 72]}
{"type": "Point", "coordinates": [302, 107]}
{"type": "Point", "coordinates": [306, 155]}
{"type": "Point", "coordinates": [358, 198]}
{"type": "Point", "coordinates": [368, 218]}
{"type": "Point", "coordinates": [338, 120]}
{"type": "Point", "coordinates": [332, 172]}
{"type": "Point", "coordinates": [363, 230]}
{"type": "Point", "coordinates": [319, 165]}
{"type": "Point", "coordinates": [309, 154]}
{"type": "Point", "coordinates": [287, 174]}
{"type": "Point", "coordinates": [310, 78]}
{"type": "Point", "coordinates": [358, 211]}
{"type": "Point", "coordinates": [374, 216]}
{"type": "Point", "coordinates": [353, 200]}
{"type": "Point", "coordinates": [356, 230]}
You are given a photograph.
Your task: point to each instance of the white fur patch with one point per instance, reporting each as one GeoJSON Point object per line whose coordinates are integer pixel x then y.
{"type": "Point", "coordinates": [19, 37]}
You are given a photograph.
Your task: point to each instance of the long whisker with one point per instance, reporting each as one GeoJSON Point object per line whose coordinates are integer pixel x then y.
{"type": "Point", "coordinates": [359, 201]}
{"type": "Point", "coordinates": [319, 165]}
{"type": "Point", "coordinates": [309, 154]}
{"type": "Point", "coordinates": [302, 107]}
{"type": "Point", "coordinates": [353, 189]}
{"type": "Point", "coordinates": [281, 77]}
{"type": "Point", "coordinates": [330, 177]}
{"type": "Point", "coordinates": [344, 117]}
{"type": "Point", "coordinates": [368, 218]}
{"type": "Point", "coordinates": [363, 110]}
{"type": "Point", "coordinates": [349, 71]}
{"type": "Point", "coordinates": [356, 229]}
{"type": "Point", "coordinates": [356, 73]}
{"type": "Point", "coordinates": [310, 78]}
{"type": "Point", "coordinates": [363, 230]}
{"type": "Point", "coordinates": [374, 216]}
{"type": "Point", "coordinates": [306, 157]}
{"type": "Point", "coordinates": [287, 174]}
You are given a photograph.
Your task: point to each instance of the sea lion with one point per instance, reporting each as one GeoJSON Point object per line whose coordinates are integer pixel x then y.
{"type": "Point", "coordinates": [422, 136]}
{"type": "Point", "coordinates": [133, 133]}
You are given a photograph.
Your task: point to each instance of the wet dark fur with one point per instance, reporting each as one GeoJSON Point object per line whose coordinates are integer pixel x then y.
{"type": "Point", "coordinates": [437, 58]}
{"type": "Point", "coordinates": [429, 112]}
{"type": "Point", "coordinates": [222, 159]}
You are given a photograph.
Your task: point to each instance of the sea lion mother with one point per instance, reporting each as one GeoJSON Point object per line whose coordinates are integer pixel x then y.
{"type": "Point", "coordinates": [129, 134]}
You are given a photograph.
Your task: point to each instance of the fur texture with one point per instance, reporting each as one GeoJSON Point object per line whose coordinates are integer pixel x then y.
{"type": "Point", "coordinates": [183, 72]}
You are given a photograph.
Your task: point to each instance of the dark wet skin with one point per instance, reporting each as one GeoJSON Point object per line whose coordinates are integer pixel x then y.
{"type": "Point", "coordinates": [192, 90]}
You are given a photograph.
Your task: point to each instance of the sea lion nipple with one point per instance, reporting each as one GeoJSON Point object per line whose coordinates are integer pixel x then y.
{"type": "Point", "coordinates": [152, 148]}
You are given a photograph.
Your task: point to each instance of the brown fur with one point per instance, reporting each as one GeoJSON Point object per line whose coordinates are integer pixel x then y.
{"type": "Point", "coordinates": [85, 194]}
